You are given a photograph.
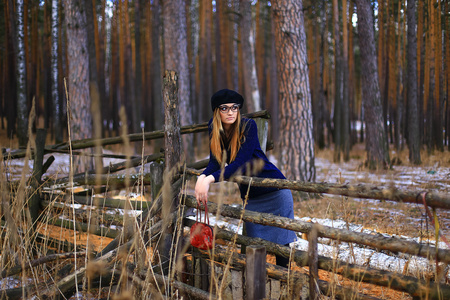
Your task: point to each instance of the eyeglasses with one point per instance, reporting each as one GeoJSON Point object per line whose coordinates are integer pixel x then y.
{"type": "Point", "coordinates": [225, 109]}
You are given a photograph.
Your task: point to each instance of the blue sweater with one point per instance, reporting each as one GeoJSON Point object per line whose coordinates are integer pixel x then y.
{"type": "Point", "coordinates": [249, 152]}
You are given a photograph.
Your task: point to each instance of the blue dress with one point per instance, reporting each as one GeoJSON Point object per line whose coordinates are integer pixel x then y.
{"type": "Point", "coordinates": [261, 199]}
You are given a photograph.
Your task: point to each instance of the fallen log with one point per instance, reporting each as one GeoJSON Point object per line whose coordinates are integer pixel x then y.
{"type": "Point", "coordinates": [112, 180]}
{"type": "Point", "coordinates": [433, 199]}
{"type": "Point", "coordinates": [39, 261]}
{"type": "Point", "coordinates": [411, 285]}
{"type": "Point", "coordinates": [375, 241]}
{"type": "Point", "coordinates": [84, 227]}
{"type": "Point", "coordinates": [101, 202]}
{"type": "Point", "coordinates": [112, 168]}
{"type": "Point", "coordinates": [238, 261]}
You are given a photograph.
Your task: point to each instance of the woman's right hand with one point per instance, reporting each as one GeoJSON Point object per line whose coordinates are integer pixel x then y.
{"type": "Point", "coordinates": [202, 188]}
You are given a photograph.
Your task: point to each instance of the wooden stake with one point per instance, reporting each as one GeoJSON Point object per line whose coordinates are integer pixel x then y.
{"type": "Point", "coordinates": [255, 282]}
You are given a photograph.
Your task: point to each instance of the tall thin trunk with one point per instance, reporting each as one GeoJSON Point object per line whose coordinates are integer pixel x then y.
{"type": "Point", "coordinates": [10, 76]}
{"type": "Point", "coordinates": [420, 69]}
{"type": "Point", "coordinates": [376, 142]}
{"type": "Point", "coordinates": [260, 48]}
{"type": "Point", "coordinates": [78, 79]}
{"type": "Point", "coordinates": [433, 106]}
{"type": "Point", "coordinates": [22, 111]}
{"type": "Point", "coordinates": [272, 99]}
{"type": "Point", "coordinates": [345, 130]}
{"type": "Point", "coordinates": [156, 75]}
{"type": "Point", "coordinates": [114, 80]}
{"type": "Point", "coordinates": [413, 124]}
{"type": "Point", "coordinates": [57, 126]}
{"type": "Point", "coordinates": [46, 63]}
{"type": "Point", "coordinates": [447, 71]}
{"type": "Point", "coordinates": [354, 107]}
{"type": "Point", "coordinates": [205, 64]}
{"type": "Point", "coordinates": [437, 118]}
{"type": "Point", "coordinates": [94, 91]}
{"type": "Point", "coordinates": [296, 138]}
{"type": "Point", "coordinates": [338, 85]}
{"type": "Point", "coordinates": [220, 44]}
{"type": "Point", "coordinates": [250, 80]}
{"type": "Point", "coordinates": [399, 92]}
{"type": "Point", "coordinates": [175, 59]}
{"type": "Point", "coordinates": [138, 69]}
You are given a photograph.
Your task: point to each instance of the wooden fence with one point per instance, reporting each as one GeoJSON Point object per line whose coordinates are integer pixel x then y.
{"type": "Point", "coordinates": [240, 276]}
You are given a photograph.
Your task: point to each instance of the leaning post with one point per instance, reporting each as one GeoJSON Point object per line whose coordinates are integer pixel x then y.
{"type": "Point", "coordinates": [172, 153]}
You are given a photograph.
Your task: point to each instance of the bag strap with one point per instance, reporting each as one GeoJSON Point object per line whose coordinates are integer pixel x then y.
{"type": "Point", "coordinates": [198, 216]}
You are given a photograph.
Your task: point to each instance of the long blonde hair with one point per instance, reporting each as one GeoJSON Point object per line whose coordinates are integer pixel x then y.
{"type": "Point", "coordinates": [236, 140]}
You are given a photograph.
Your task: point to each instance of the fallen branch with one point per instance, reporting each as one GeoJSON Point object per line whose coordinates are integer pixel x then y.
{"type": "Point", "coordinates": [36, 262]}
{"type": "Point", "coordinates": [436, 200]}
{"type": "Point", "coordinates": [111, 169]}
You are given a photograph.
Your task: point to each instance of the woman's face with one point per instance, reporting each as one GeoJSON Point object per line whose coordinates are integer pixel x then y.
{"type": "Point", "coordinates": [228, 114]}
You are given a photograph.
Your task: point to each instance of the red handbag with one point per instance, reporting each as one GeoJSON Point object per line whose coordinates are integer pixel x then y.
{"type": "Point", "coordinates": [201, 234]}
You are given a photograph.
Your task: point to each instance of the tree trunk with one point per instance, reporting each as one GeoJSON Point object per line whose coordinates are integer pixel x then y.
{"type": "Point", "coordinates": [272, 94]}
{"type": "Point", "coordinates": [22, 107]}
{"type": "Point", "coordinates": [249, 75]}
{"type": "Point", "coordinates": [296, 138]}
{"type": "Point", "coordinates": [57, 128]}
{"type": "Point", "coordinates": [219, 23]}
{"type": "Point", "coordinates": [156, 74]}
{"type": "Point", "coordinates": [175, 58]}
{"type": "Point", "coordinates": [376, 143]}
{"type": "Point", "coordinates": [94, 91]}
{"type": "Point", "coordinates": [345, 127]}
{"type": "Point", "coordinates": [204, 77]}
{"type": "Point", "coordinates": [420, 69]}
{"type": "Point", "coordinates": [413, 122]}
{"type": "Point", "coordinates": [80, 102]}
{"type": "Point", "coordinates": [337, 119]}
{"type": "Point", "coordinates": [47, 105]}
{"type": "Point", "coordinates": [138, 69]}
{"type": "Point", "coordinates": [447, 73]}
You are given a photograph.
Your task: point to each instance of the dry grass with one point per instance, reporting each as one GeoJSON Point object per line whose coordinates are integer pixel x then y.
{"type": "Point", "coordinates": [387, 217]}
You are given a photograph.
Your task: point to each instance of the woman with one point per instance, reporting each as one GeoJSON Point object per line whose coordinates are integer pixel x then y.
{"type": "Point", "coordinates": [238, 138]}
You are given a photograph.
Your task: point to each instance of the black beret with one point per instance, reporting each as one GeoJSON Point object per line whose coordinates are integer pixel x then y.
{"type": "Point", "coordinates": [226, 96]}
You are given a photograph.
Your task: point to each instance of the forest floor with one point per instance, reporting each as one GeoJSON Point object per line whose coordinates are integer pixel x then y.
{"type": "Point", "coordinates": [384, 217]}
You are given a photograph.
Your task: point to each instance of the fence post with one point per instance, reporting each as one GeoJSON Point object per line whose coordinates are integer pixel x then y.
{"type": "Point", "coordinates": [313, 261]}
{"type": "Point", "coordinates": [255, 273]}
{"type": "Point", "coordinates": [263, 131]}
{"type": "Point", "coordinates": [156, 178]}
{"type": "Point", "coordinates": [37, 173]}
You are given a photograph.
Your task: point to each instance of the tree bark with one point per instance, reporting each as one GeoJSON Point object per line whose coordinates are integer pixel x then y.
{"type": "Point", "coordinates": [376, 142]}
{"type": "Point", "coordinates": [204, 78]}
{"type": "Point", "coordinates": [296, 138]}
{"type": "Point", "coordinates": [338, 81]}
{"type": "Point", "coordinates": [250, 80]}
{"type": "Point", "coordinates": [57, 128]}
{"type": "Point", "coordinates": [413, 122]}
{"type": "Point", "coordinates": [175, 58]}
{"type": "Point", "coordinates": [157, 101]}
{"type": "Point", "coordinates": [22, 107]}
{"type": "Point", "coordinates": [79, 99]}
